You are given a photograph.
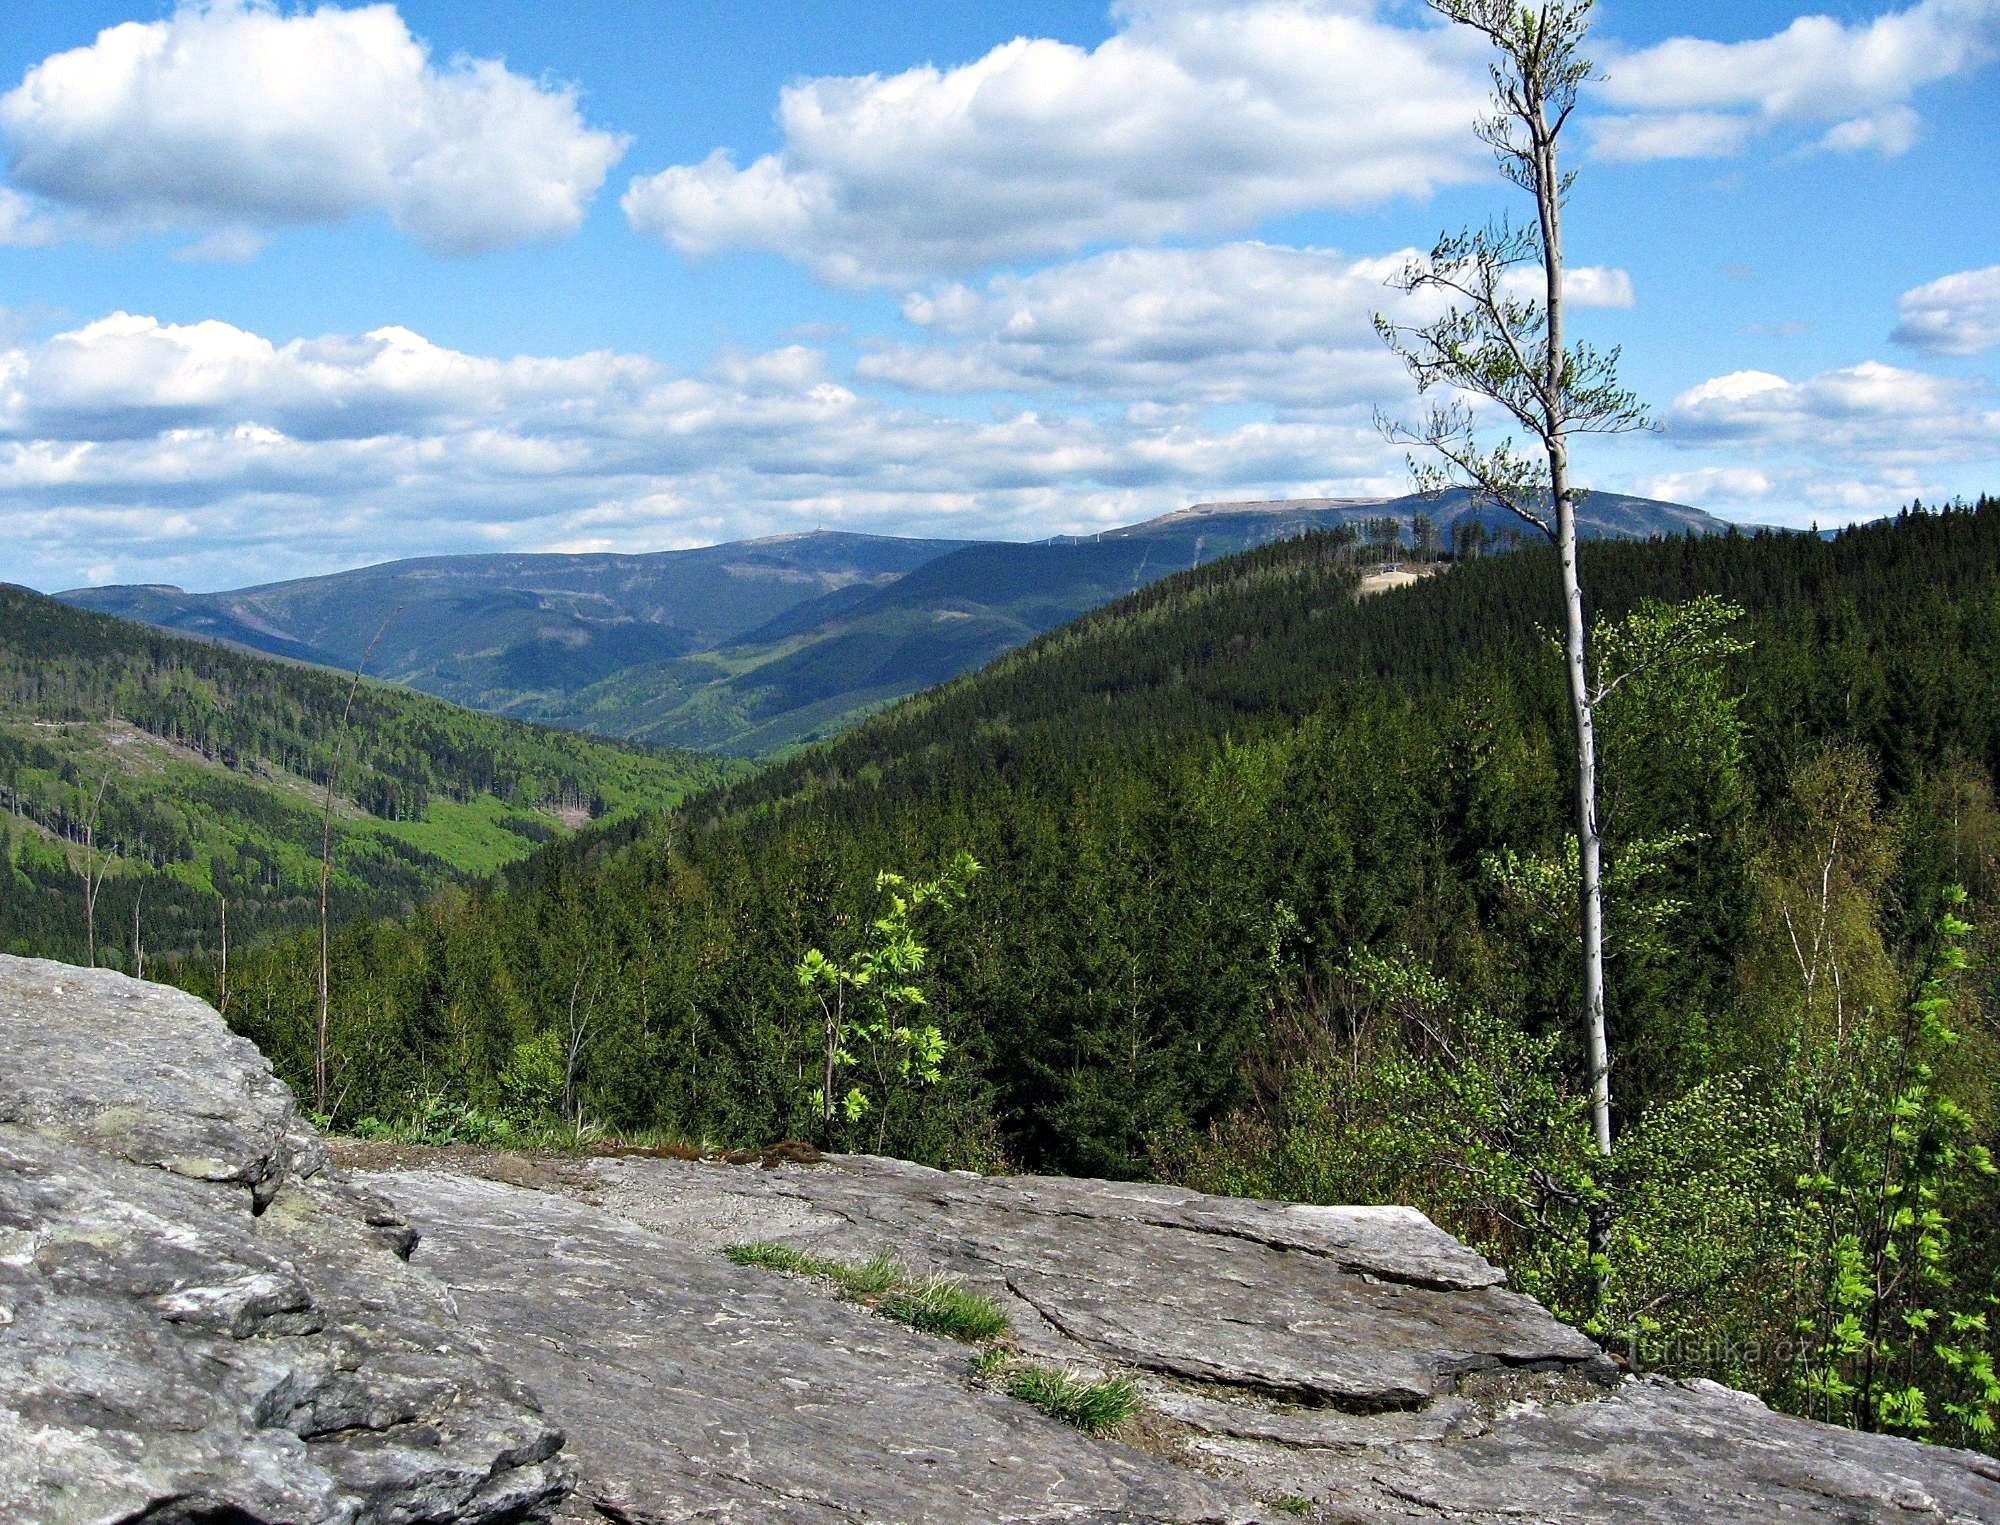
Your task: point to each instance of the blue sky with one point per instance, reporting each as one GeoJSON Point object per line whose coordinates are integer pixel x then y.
{"type": "Point", "coordinates": [286, 289]}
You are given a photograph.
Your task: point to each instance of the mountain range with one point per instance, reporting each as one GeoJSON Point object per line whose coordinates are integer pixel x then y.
{"type": "Point", "coordinates": [753, 647]}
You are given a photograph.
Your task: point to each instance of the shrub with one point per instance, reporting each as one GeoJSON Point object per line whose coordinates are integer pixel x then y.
{"type": "Point", "coordinates": [435, 1120]}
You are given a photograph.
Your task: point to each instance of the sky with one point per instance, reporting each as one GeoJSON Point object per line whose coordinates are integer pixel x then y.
{"type": "Point", "coordinates": [286, 289]}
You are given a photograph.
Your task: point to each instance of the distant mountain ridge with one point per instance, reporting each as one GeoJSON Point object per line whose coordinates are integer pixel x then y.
{"type": "Point", "coordinates": [751, 647]}
{"type": "Point", "coordinates": [1600, 514]}
{"type": "Point", "coordinates": [485, 630]}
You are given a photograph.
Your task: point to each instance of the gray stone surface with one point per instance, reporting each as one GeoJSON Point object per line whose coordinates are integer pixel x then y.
{"type": "Point", "coordinates": [1655, 1449]}
{"type": "Point", "coordinates": [694, 1389]}
{"type": "Point", "coordinates": [1359, 1307]}
{"type": "Point", "coordinates": [198, 1320]}
{"type": "Point", "coordinates": [1358, 1358]}
{"type": "Point", "coordinates": [201, 1320]}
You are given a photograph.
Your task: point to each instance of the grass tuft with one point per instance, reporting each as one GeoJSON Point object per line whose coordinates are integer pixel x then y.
{"type": "Point", "coordinates": [874, 1279]}
{"type": "Point", "coordinates": [941, 1306]}
{"type": "Point", "coordinates": [1292, 1503]}
{"type": "Point", "coordinates": [934, 1304]}
{"type": "Point", "coordinates": [775, 1257]}
{"type": "Point", "coordinates": [1096, 1408]}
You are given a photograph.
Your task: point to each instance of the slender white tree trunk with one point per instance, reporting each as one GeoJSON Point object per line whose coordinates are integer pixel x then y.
{"type": "Point", "coordinates": [1589, 843]}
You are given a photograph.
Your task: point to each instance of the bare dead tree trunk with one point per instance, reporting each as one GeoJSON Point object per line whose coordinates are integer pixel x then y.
{"type": "Point", "coordinates": [222, 974]}
{"type": "Point", "coordinates": [1494, 344]}
{"type": "Point", "coordinates": [138, 948]}
{"type": "Point", "coordinates": [578, 1031]}
{"type": "Point", "coordinates": [93, 873]}
{"type": "Point", "coordinates": [832, 1013]}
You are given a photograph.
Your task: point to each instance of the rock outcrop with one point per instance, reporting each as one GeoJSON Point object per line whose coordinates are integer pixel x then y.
{"type": "Point", "coordinates": [198, 1321]}
{"type": "Point", "coordinates": [201, 1320]}
{"type": "Point", "coordinates": [1356, 1358]}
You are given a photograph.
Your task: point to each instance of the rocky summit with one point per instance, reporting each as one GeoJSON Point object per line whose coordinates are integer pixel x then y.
{"type": "Point", "coordinates": [202, 1318]}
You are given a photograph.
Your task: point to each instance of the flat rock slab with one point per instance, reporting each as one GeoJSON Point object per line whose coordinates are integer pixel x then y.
{"type": "Point", "coordinates": [191, 1328]}
{"type": "Point", "coordinates": [142, 1073]}
{"type": "Point", "coordinates": [1651, 1450]}
{"type": "Point", "coordinates": [1356, 1358]}
{"type": "Point", "coordinates": [694, 1389]}
{"type": "Point", "coordinates": [1356, 1307]}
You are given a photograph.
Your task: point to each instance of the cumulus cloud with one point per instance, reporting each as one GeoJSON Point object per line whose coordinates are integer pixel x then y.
{"type": "Point", "coordinates": [126, 376]}
{"type": "Point", "coordinates": [1846, 444]}
{"type": "Point", "coordinates": [1242, 322]}
{"type": "Point", "coordinates": [1689, 97]}
{"type": "Point", "coordinates": [1798, 496]}
{"type": "Point", "coordinates": [1868, 412]}
{"type": "Point", "coordinates": [230, 245]}
{"type": "Point", "coordinates": [1710, 484]}
{"type": "Point", "coordinates": [211, 455]}
{"type": "Point", "coordinates": [1889, 133]}
{"type": "Point", "coordinates": [1836, 448]}
{"type": "Point", "coordinates": [1672, 135]}
{"type": "Point", "coordinates": [1190, 119]}
{"type": "Point", "coordinates": [1597, 286]}
{"type": "Point", "coordinates": [231, 114]}
{"type": "Point", "coordinates": [1953, 315]}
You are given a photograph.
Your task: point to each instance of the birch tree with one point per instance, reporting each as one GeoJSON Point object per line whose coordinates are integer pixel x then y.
{"type": "Point", "coordinates": [1499, 350]}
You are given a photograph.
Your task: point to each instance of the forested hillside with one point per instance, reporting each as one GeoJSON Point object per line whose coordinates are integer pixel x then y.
{"type": "Point", "coordinates": [501, 631]}
{"type": "Point", "coordinates": [191, 777]}
{"type": "Point", "coordinates": [1273, 894]}
{"type": "Point", "coordinates": [756, 647]}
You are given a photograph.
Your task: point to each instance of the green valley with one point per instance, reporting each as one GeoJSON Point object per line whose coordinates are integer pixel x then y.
{"type": "Point", "coordinates": [192, 778]}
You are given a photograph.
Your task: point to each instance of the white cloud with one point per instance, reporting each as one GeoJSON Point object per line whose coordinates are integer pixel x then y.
{"type": "Point", "coordinates": [1870, 412]}
{"type": "Point", "coordinates": [234, 115]}
{"type": "Point", "coordinates": [1890, 133]}
{"type": "Point", "coordinates": [1598, 286]}
{"type": "Point", "coordinates": [1244, 322]}
{"type": "Point", "coordinates": [1953, 315]}
{"type": "Point", "coordinates": [1191, 119]}
{"type": "Point", "coordinates": [1709, 485]}
{"type": "Point", "coordinates": [1690, 97]}
{"type": "Point", "coordinates": [1219, 325]}
{"type": "Point", "coordinates": [1674, 135]}
{"type": "Point", "coordinates": [228, 245]}
{"type": "Point", "coordinates": [212, 456]}
{"type": "Point", "coordinates": [209, 455]}
{"type": "Point", "coordinates": [1798, 496]}
{"type": "Point", "coordinates": [127, 376]}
